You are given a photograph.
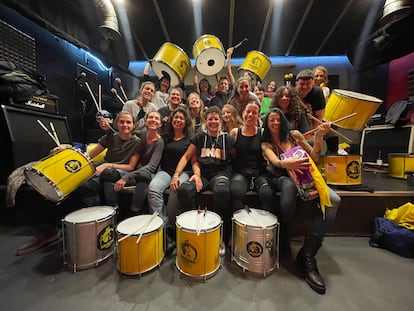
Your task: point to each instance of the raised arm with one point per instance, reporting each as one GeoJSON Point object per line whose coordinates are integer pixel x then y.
{"type": "Point", "coordinates": [229, 71]}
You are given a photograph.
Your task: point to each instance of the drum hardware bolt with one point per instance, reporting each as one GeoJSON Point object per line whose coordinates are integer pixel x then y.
{"type": "Point", "coordinates": [222, 250]}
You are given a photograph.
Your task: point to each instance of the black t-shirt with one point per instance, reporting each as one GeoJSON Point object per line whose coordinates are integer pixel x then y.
{"type": "Point", "coordinates": [315, 100]}
{"type": "Point", "coordinates": [173, 151]}
{"type": "Point", "coordinates": [250, 161]}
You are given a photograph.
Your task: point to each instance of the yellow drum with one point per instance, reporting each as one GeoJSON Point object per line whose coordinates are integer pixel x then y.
{"type": "Point", "coordinates": [136, 258]}
{"type": "Point", "coordinates": [400, 164]}
{"type": "Point", "coordinates": [341, 169]}
{"type": "Point", "coordinates": [172, 60]}
{"type": "Point", "coordinates": [342, 103]}
{"type": "Point", "coordinates": [257, 63]}
{"type": "Point", "coordinates": [88, 236]}
{"type": "Point", "coordinates": [99, 157]}
{"type": "Point", "coordinates": [209, 55]}
{"type": "Point", "coordinates": [56, 176]}
{"type": "Point", "coordinates": [255, 240]}
{"type": "Point", "coordinates": [198, 243]}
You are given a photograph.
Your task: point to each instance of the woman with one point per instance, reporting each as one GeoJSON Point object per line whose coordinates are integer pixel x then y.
{"type": "Point", "coordinates": [249, 168]}
{"type": "Point", "coordinates": [277, 139]}
{"type": "Point", "coordinates": [176, 134]}
{"type": "Point", "coordinates": [195, 108]}
{"type": "Point", "coordinates": [142, 105]}
{"type": "Point", "coordinates": [122, 156]}
{"type": "Point", "coordinates": [264, 101]}
{"type": "Point", "coordinates": [321, 79]}
{"type": "Point", "coordinates": [212, 169]}
{"type": "Point", "coordinates": [161, 95]}
{"type": "Point", "coordinates": [231, 119]}
{"type": "Point", "coordinates": [287, 100]}
{"type": "Point", "coordinates": [203, 88]}
{"type": "Point", "coordinates": [148, 163]}
{"type": "Point", "coordinates": [242, 95]}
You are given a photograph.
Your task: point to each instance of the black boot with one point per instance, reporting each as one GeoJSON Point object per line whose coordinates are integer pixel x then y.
{"type": "Point", "coordinates": [285, 236]}
{"type": "Point", "coordinates": [307, 263]}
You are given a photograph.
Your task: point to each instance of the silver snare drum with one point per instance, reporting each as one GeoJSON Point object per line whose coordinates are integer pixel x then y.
{"type": "Point", "coordinates": [255, 235]}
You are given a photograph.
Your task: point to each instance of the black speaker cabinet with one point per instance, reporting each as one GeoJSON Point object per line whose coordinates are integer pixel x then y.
{"type": "Point", "coordinates": [24, 140]}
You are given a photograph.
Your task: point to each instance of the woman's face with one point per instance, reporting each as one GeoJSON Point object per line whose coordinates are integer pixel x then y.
{"type": "Point", "coordinates": [243, 88]}
{"type": "Point", "coordinates": [319, 77]}
{"type": "Point", "coordinates": [226, 115]}
{"type": "Point", "coordinates": [271, 87]}
{"type": "Point", "coordinates": [204, 86]}
{"type": "Point", "coordinates": [259, 93]}
{"type": "Point", "coordinates": [251, 114]}
{"type": "Point", "coordinates": [147, 92]}
{"type": "Point", "coordinates": [284, 100]}
{"type": "Point", "coordinates": [178, 121]}
{"type": "Point", "coordinates": [213, 122]}
{"type": "Point", "coordinates": [273, 122]}
{"type": "Point", "coordinates": [125, 123]}
{"type": "Point", "coordinates": [194, 101]}
{"type": "Point", "coordinates": [153, 121]}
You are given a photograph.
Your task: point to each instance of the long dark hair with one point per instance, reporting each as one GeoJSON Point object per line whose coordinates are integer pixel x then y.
{"type": "Point", "coordinates": [168, 131]}
{"type": "Point", "coordinates": [284, 132]}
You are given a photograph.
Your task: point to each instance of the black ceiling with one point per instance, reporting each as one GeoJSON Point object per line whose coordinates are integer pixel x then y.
{"type": "Point", "coordinates": [277, 28]}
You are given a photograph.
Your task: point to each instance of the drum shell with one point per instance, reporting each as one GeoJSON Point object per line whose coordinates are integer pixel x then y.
{"type": "Point", "coordinates": [172, 59]}
{"type": "Point", "coordinates": [255, 248]}
{"type": "Point", "coordinates": [209, 54]}
{"type": "Point", "coordinates": [198, 254]}
{"type": "Point", "coordinates": [400, 164]}
{"type": "Point", "coordinates": [257, 63]}
{"type": "Point", "coordinates": [99, 157]}
{"type": "Point", "coordinates": [342, 103]}
{"type": "Point", "coordinates": [90, 241]}
{"type": "Point", "coordinates": [341, 169]}
{"type": "Point", "coordinates": [136, 258]}
{"type": "Point", "coordinates": [58, 175]}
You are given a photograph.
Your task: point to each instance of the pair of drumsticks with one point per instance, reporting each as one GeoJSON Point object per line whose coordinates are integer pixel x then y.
{"type": "Point", "coordinates": [141, 230]}
{"type": "Point", "coordinates": [52, 133]}
{"type": "Point", "coordinates": [333, 122]}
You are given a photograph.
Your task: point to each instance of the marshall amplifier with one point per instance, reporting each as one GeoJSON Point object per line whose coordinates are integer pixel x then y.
{"type": "Point", "coordinates": [47, 103]}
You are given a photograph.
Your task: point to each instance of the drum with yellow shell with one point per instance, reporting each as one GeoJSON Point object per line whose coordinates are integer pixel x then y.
{"type": "Point", "coordinates": [257, 63]}
{"type": "Point", "coordinates": [341, 169]}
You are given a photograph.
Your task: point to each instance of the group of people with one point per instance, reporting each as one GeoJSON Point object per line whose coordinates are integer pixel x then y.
{"type": "Point", "coordinates": [226, 143]}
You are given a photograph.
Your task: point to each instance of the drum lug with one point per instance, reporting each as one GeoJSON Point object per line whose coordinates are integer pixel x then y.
{"type": "Point", "coordinates": [222, 250]}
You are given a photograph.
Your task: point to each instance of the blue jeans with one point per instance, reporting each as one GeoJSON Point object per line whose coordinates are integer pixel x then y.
{"type": "Point", "coordinates": [288, 197]}
{"type": "Point", "coordinates": [159, 183]}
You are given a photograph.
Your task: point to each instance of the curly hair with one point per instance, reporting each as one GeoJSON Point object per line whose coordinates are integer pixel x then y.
{"type": "Point", "coordinates": [296, 106]}
{"type": "Point", "coordinates": [168, 131]}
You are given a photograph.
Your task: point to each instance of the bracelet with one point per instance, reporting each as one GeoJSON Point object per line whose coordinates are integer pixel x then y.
{"type": "Point", "coordinates": [175, 176]}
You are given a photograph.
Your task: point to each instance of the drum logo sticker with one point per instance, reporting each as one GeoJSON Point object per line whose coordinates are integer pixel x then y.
{"type": "Point", "coordinates": [73, 166]}
{"type": "Point", "coordinates": [256, 62]}
{"type": "Point", "coordinates": [188, 253]}
{"type": "Point", "coordinates": [105, 238]}
{"type": "Point", "coordinates": [254, 249]}
{"type": "Point", "coordinates": [353, 170]}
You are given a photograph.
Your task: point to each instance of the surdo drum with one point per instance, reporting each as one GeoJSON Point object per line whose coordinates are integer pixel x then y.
{"type": "Point", "coordinates": [58, 175]}
{"type": "Point", "coordinates": [255, 236]}
{"type": "Point", "coordinates": [257, 63]}
{"type": "Point", "coordinates": [136, 258]}
{"type": "Point", "coordinates": [341, 169]}
{"type": "Point", "coordinates": [198, 243]}
{"type": "Point", "coordinates": [342, 103]}
{"type": "Point", "coordinates": [209, 55]}
{"type": "Point", "coordinates": [88, 236]}
{"type": "Point", "coordinates": [171, 59]}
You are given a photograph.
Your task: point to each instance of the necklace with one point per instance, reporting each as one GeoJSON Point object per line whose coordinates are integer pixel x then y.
{"type": "Point", "coordinates": [213, 142]}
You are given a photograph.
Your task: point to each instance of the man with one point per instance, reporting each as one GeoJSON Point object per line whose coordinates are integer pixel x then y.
{"type": "Point", "coordinates": [174, 100]}
{"type": "Point", "coordinates": [314, 98]}
{"type": "Point", "coordinates": [222, 95]}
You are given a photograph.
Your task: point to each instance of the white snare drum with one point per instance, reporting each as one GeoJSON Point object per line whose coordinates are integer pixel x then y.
{"type": "Point", "coordinates": [198, 243]}
{"type": "Point", "coordinates": [209, 55]}
{"type": "Point", "coordinates": [255, 236]}
{"type": "Point", "coordinates": [136, 258]}
{"type": "Point", "coordinates": [88, 236]}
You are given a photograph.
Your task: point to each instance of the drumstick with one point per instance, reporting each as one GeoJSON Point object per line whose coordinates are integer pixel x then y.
{"type": "Point", "coordinates": [198, 221]}
{"type": "Point", "coordinates": [93, 96]}
{"type": "Point", "coordinates": [117, 96]}
{"type": "Point", "coordinates": [333, 130]}
{"type": "Point", "coordinates": [100, 97]}
{"type": "Point", "coordinates": [240, 43]}
{"type": "Point", "coordinates": [333, 122]}
{"type": "Point", "coordinates": [54, 133]}
{"type": "Point", "coordinates": [252, 216]}
{"type": "Point", "coordinates": [202, 221]}
{"type": "Point", "coordinates": [134, 232]}
{"type": "Point", "coordinates": [47, 131]}
{"type": "Point", "coordinates": [146, 226]}
{"type": "Point", "coordinates": [118, 80]}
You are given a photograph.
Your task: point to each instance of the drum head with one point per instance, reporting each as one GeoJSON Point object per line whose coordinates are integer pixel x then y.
{"type": "Point", "coordinates": [256, 218]}
{"type": "Point", "coordinates": [89, 214]}
{"type": "Point", "coordinates": [188, 220]}
{"type": "Point", "coordinates": [133, 224]}
{"type": "Point", "coordinates": [210, 61]}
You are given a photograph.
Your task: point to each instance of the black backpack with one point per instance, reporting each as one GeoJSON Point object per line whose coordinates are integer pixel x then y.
{"type": "Point", "coordinates": [18, 84]}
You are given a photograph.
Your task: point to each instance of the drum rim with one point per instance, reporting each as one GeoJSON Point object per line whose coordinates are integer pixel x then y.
{"type": "Point", "coordinates": [261, 53]}
{"type": "Point", "coordinates": [53, 185]}
{"type": "Point", "coordinates": [108, 208]}
{"type": "Point", "coordinates": [175, 45]}
{"type": "Point", "coordinates": [175, 74]}
{"type": "Point", "coordinates": [374, 100]}
{"type": "Point", "coordinates": [144, 233]}
{"type": "Point", "coordinates": [240, 211]}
